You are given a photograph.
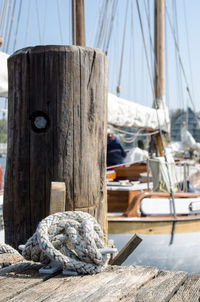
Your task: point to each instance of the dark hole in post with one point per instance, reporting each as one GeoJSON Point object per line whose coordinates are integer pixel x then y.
{"type": "Point", "coordinates": [39, 121]}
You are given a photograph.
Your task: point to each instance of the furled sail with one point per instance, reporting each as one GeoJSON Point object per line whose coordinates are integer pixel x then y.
{"type": "Point", "coordinates": [3, 75]}
{"type": "Point", "coordinates": [123, 113]}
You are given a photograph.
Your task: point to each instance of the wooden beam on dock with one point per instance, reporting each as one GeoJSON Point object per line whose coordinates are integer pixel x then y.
{"type": "Point", "coordinates": [126, 250]}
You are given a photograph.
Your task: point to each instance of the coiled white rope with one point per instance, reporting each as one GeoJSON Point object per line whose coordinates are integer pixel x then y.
{"type": "Point", "coordinates": [71, 239]}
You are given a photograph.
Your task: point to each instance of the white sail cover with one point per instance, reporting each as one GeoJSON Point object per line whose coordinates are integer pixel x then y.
{"type": "Point", "coordinates": [123, 113]}
{"type": "Point", "coordinates": [188, 140]}
{"type": "Point", "coordinates": [3, 75]}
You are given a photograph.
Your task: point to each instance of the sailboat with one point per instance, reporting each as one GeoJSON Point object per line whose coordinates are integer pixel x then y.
{"type": "Point", "coordinates": [163, 217]}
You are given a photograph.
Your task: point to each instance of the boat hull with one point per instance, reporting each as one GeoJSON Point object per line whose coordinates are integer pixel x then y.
{"type": "Point", "coordinates": [125, 225]}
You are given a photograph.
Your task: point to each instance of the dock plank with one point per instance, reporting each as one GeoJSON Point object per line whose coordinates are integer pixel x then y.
{"type": "Point", "coordinates": [189, 291]}
{"type": "Point", "coordinates": [16, 279]}
{"type": "Point", "coordinates": [60, 288]}
{"type": "Point", "coordinates": [110, 285]}
{"type": "Point", "coordinates": [162, 288]}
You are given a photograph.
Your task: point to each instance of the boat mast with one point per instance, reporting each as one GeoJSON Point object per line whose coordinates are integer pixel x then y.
{"type": "Point", "coordinates": [159, 88]}
{"type": "Point", "coordinates": [78, 23]}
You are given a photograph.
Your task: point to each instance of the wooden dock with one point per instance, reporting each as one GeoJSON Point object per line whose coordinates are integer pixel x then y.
{"type": "Point", "coordinates": [22, 282]}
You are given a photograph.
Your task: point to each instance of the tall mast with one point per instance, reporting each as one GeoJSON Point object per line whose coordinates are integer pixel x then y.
{"type": "Point", "coordinates": [159, 6]}
{"type": "Point", "coordinates": [78, 23]}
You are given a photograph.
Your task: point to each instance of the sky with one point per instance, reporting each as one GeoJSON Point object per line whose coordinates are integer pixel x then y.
{"type": "Point", "coordinates": [44, 22]}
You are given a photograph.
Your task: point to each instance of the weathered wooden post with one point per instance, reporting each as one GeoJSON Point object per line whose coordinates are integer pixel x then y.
{"type": "Point", "coordinates": [57, 113]}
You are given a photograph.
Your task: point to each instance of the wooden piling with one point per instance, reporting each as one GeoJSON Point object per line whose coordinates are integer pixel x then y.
{"type": "Point", "coordinates": [56, 132]}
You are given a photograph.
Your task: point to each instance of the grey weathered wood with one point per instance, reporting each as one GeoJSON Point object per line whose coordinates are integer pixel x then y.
{"type": "Point", "coordinates": [109, 286]}
{"type": "Point", "coordinates": [57, 197]}
{"type": "Point", "coordinates": [116, 284]}
{"type": "Point", "coordinates": [189, 291]}
{"type": "Point", "coordinates": [13, 284]}
{"type": "Point", "coordinates": [161, 288]}
{"type": "Point", "coordinates": [69, 85]}
{"type": "Point", "coordinates": [8, 259]}
{"type": "Point", "coordinates": [126, 250]}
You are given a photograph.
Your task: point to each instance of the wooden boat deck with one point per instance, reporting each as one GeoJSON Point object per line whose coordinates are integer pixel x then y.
{"type": "Point", "coordinates": [22, 282]}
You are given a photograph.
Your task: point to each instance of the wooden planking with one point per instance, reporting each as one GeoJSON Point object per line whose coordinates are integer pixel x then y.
{"type": "Point", "coordinates": [14, 284]}
{"type": "Point", "coordinates": [109, 286]}
{"type": "Point", "coordinates": [125, 281]}
{"type": "Point", "coordinates": [7, 259]}
{"type": "Point", "coordinates": [189, 291]}
{"type": "Point", "coordinates": [161, 288]}
{"type": "Point", "coordinates": [126, 250]}
{"type": "Point", "coordinates": [116, 284]}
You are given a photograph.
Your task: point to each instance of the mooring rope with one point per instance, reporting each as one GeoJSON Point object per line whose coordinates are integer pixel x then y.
{"type": "Point", "coordinates": [5, 248]}
{"type": "Point", "coordinates": [70, 239]}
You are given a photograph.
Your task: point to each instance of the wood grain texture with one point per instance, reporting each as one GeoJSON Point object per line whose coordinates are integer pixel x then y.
{"type": "Point", "coordinates": [7, 259]}
{"type": "Point", "coordinates": [117, 284]}
{"type": "Point", "coordinates": [69, 86]}
{"type": "Point", "coordinates": [111, 285]}
{"type": "Point", "coordinates": [19, 281]}
{"type": "Point", "coordinates": [189, 291]}
{"type": "Point", "coordinates": [126, 250]}
{"type": "Point", "coordinates": [57, 197]}
{"type": "Point", "coordinates": [161, 288]}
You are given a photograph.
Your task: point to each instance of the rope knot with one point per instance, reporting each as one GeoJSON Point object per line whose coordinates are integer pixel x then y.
{"type": "Point", "coordinates": [71, 239]}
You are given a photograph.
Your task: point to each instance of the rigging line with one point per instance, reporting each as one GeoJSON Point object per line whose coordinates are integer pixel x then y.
{"type": "Point", "coordinates": [45, 19]}
{"type": "Point", "coordinates": [38, 20]}
{"type": "Point", "coordinates": [7, 25]}
{"type": "Point", "coordinates": [122, 53]}
{"type": "Point", "coordinates": [18, 19]}
{"type": "Point", "coordinates": [11, 26]}
{"type": "Point", "coordinates": [1, 13]}
{"type": "Point", "coordinates": [132, 56]}
{"type": "Point", "coordinates": [27, 22]}
{"type": "Point", "coordinates": [179, 77]}
{"type": "Point", "coordinates": [70, 23]}
{"type": "Point", "coordinates": [92, 39]}
{"type": "Point", "coordinates": [60, 27]}
{"type": "Point", "coordinates": [147, 12]}
{"type": "Point", "coordinates": [167, 70]}
{"type": "Point", "coordinates": [5, 17]}
{"type": "Point", "coordinates": [101, 9]}
{"type": "Point", "coordinates": [107, 24]}
{"type": "Point", "coordinates": [111, 25]}
{"type": "Point", "coordinates": [109, 12]}
{"type": "Point", "coordinates": [188, 44]}
{"type": "Point", "coordinates": [102, 24]}
{"type": "Point", "coordinates": [180, 60]}
{"type": "Point", "coordinates": [145, 48]}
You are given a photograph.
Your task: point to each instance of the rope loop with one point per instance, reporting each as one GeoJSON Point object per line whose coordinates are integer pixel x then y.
{"type": "Point", "coordinates": [71, 239]}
